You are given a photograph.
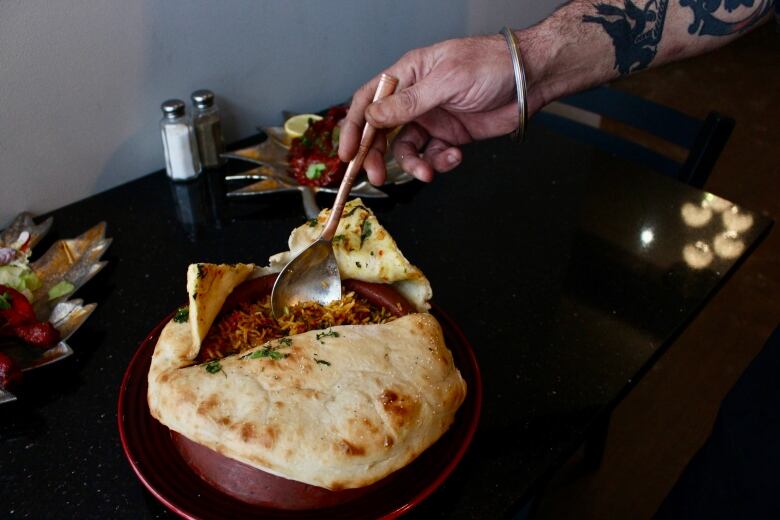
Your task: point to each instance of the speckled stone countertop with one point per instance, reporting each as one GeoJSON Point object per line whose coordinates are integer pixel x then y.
{"type": "Point", "coordinates": [568, 270]}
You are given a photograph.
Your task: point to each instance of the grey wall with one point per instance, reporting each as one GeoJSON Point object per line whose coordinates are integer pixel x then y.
{"type": "Point", "coordinates": [81, 81]}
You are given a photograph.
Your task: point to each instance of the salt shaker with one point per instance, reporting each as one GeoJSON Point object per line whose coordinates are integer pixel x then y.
{"type": "Point", "coordinates": [208, 129]}
{"type": "Point", "coordinates": [181, 154]}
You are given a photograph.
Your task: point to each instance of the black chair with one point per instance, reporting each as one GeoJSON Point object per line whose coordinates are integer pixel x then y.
{"type": "Point", "coordinates": [703, 139]}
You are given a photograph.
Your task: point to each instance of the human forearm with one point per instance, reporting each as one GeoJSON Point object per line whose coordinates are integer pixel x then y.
{"type": "Point", "coordinates": [456, 91]}
{"type": "Point", "coordinates": [586, 43]}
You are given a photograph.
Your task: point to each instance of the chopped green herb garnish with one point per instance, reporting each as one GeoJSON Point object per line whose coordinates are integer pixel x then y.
{"type": "Point", "coordinates": [350, 212]}
{"type": "Point", "coordinates": [338, 238]}
{"type": "Point", "coordinates": [305, 141]}
{"type": "Point", "coordinates": [214, 366]}
{"type": "Point", "coordinates": [268, 353]}
{"type": "Point", "coordinates": [330, 333]}
{"type": "Point", "coordinates": [314, 171]}
{"type": "Point", "coordinates": [5, 301]}
{"type": "Point", "coordinates": [365, 231]}
{"type": "Point", "coordinates": [201, 271]}
{"type": "Point", "coordinates": [360, 266]}
{"type": "Point", "coordinates": [371, 253]}
{"type": "Point", "coordinates": [182, 315]}
{"type": "Point", "coordinates": [322, 362]}
{"type": "Point", "coordinates": [312, 222]}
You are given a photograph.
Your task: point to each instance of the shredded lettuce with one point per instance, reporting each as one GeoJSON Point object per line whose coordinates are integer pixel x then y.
{"type": "Point", "coordinates": [32, 281]}
{"type": "Point", "coordinates": [61, 289]}
{"type": "Point", "coordinates": [13, 276]}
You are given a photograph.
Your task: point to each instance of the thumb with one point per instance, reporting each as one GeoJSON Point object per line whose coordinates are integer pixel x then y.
{"type": "Point", "coordinates": [404, 106]}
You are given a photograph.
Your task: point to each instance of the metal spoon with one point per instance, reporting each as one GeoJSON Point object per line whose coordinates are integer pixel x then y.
{"type": "Point", "coordinates": [313, 275]}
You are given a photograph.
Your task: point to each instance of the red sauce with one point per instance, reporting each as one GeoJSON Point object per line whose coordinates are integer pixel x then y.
{"type": "Point", "coordinates": [313, 158]}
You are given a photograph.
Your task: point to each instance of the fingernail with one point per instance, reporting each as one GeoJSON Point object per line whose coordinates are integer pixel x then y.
{"type": "Point", "coordinates": [452, 158]}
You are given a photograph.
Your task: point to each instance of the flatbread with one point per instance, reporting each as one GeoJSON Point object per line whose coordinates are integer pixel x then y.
{"type": "Point", "coordinates": [208, 285]}
{"type": "Point", "coordinates": [344, 408]}
{"type": "Point", "coordinates": [364, 251]}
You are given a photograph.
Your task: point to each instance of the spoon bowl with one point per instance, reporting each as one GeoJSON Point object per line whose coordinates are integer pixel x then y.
{"type": "Point", "coordinates": [313, 276]}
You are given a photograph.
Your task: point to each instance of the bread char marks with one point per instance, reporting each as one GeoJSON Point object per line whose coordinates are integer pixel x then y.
{"type": "Point", "coordinates": [351, 449]}
{"type": "Point", "coordinates": [266, 437]}
{"type": "Point", "coordinates": [210, 408]}
{"type": "Point", "coordinates": [400, 408]}
{"type": "Point", "coordinates": [215, 407]}
{"type": "Point", "coordinates": [361, 436]}
{"type": "Point", "coordinates": [363, 242]}
{"type": "Point", "coordinates": [208, 405]}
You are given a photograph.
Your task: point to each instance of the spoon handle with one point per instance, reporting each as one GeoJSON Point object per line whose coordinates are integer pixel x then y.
{"type": "Point", "coordinates": [386, 87]}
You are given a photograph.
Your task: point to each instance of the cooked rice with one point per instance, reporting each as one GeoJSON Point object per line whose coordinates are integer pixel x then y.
{"type": "Point", "coordinates": [252, 324]}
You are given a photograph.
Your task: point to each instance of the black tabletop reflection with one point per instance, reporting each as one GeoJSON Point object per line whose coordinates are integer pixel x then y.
{"type": "Point", "coordinates": [568, 270]}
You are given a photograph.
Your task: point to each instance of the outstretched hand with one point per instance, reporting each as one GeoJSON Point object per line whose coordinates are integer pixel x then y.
{"type": "Point", "coordinates": [448, 95]}
{"type": "Point", "coordinates": [457, 91]}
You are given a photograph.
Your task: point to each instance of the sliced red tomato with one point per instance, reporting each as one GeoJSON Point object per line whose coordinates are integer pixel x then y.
{"type": "Point", "coordinates": [15, 309]}
{"type": "Point", "coordinates": [17, 319]}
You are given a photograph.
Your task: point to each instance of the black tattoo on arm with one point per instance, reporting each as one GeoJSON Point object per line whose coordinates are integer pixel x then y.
{"type": "Point", "coordinates": [706, 20]}
{"type": "Point", "coordinates": [635, 32]}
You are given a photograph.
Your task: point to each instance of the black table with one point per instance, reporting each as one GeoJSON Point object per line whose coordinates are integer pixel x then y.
{"type": "Point", "coordinates": [563, 266]}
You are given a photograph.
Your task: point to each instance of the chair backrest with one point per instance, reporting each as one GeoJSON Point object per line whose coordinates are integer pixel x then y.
{"type": "Point", "coordinates": [702, 139]}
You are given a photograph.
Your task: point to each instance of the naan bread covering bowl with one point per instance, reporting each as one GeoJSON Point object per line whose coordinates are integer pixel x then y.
{"type": "Point", "coordinates": [388, 393]}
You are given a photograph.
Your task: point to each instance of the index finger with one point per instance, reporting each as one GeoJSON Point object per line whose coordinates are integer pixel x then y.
{"type": "Point", "coordinates": [352, 126]}
{"type": "Point", "coordinates": [405, 69]}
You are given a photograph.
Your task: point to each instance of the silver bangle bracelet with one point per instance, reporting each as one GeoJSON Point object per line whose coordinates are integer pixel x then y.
{"type": "Point", "coordinates": [521, 85]}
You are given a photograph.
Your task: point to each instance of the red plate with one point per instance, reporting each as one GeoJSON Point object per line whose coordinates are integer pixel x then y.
{"type": "Point", "coordinates": [153, 456]}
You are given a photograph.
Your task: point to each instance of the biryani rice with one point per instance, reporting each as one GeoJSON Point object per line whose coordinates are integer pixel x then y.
{"type": "Point", "coordinates": [252, 324]}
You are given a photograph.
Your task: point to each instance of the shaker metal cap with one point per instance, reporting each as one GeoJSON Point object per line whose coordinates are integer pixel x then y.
{"type": "Point", "coordinates": [173, 108]}
{"type": "Point", "coordinates": [203, 98]}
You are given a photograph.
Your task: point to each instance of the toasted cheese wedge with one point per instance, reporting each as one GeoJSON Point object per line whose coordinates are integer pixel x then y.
{"type": "Point", "coordinates": [364, 251]}
{"type": "Point", "coordinates": [217, 281]}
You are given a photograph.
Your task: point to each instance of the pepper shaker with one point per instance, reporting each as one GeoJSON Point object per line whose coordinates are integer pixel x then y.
{"type": "Point", "coordinates": [181, 155]}
{"type": "Point", "coordinates": [208, 128]}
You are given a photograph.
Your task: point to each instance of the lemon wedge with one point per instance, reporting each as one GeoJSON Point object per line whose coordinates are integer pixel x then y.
{"type": "Point", "coordinates": [297, 125]}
